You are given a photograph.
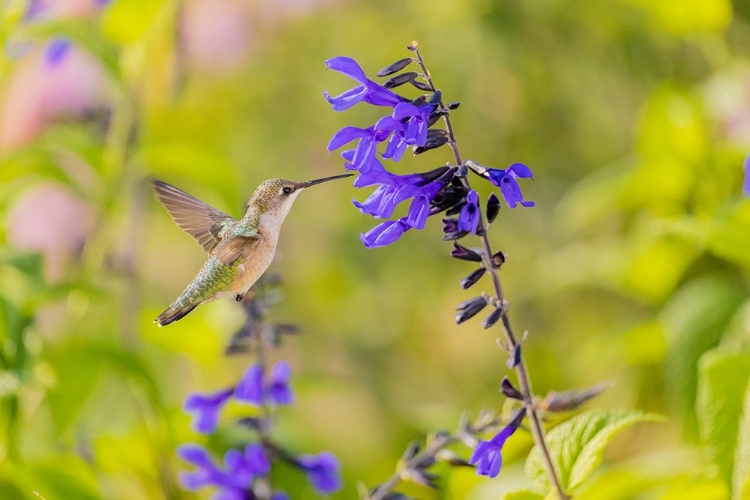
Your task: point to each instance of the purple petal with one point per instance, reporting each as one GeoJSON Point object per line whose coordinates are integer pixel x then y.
{"type": "Point", "coordinates": [56, 50]}
{"type": "Point", "coordinates": [418, 212]}
{"type": "Point", "coordinates": [520, 170]}
{"type": "Point", "coordinates": [250, 387]}
{"type": "Point", "coordinates": [404, 110]}
{"type": "Point", "coordinates": [322, 472]}
{"type": "Point", "coordinates": [468, 218]}
{"type": "Point", "coordinates": [347, 66]}
{"type": "Point", "coordinates": [344, 101]}
{"type": "Point", "coordinates": [256, 458]}
{"type": "Point", "coordinates": [279, 392]}
{"type": "Point", "coordinates": [345, 136]}
{"type": "Point", "coordinates": [205, 409]}
{"type": "Point", "coordinates": [746, 183]}
{"type": "Point", "coordinates": [383, 234]}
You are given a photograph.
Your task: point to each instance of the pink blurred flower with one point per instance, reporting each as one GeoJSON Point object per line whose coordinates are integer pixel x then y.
{"type": "Point", "coordinates": [52, 220]}
{"type": "Point", "coordinates": [216, 33]}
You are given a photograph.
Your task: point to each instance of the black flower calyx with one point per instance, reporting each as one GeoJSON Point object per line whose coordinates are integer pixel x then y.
{"type": "Point", "coordinates": [395, 67]}
{"type": "Point", "coordinates": [421, 85]}
{"type": "Point", "coordinates": [493, 208]}
{"type": "Point", "coordinates": [515, 356]}
{"type": "Point", "coordinates": [463, 253]}
{"type": "Point", "coordinates": [399, 80]}
{"type": "Point", "coordinates": [507, 388]}
{"type": "Point", "coordinates": [471, 279]}
{"type": "Point", "coordinates": [470, 308]}
{"type": "Point", "coordinates": [490, 320]}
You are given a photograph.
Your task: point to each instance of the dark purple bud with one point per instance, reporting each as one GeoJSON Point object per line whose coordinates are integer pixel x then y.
{"type": "Point", "coordinates": [399, 80]}
{"type": "Point", "coordinates": [421, 85]}
{"type": "Point", "coordinates": [515, 356]}
{"type": "Point", "coordinates": [570, 400]}
{"type": "Point", "coordinates": [471, 279]}
{"type": "Point", "coordinates": [509, 390]}
{"type": "Point", "coordinates": [250, 422]}
{"type": "Point", "coordinates": [437, 96]}
{"type": "Point", "coordinates": [441, 174]}
{"type": "Point", "coordinates": [453, 105]}
{"type": "Point", "coordinates": [412, 47]}
{"type": "Point", "coordinates": [434, 117]}
{"type": "Point", "coordinates": [450, 230]}
{"type": "Point", "coordinates": [498, 259]}
{"type": "Point", "coordinates": [493, 207]}
{"type": "Point", "coordinates": [490, 320]}
{"type": "Point", "coordinates": [469, 308]}
{"type": "Point", "coordinates": [419, 100]}
{"type": "Point", "coordinates": [395, 67]}
{"type": "Point", "coordinates": [463, 253]}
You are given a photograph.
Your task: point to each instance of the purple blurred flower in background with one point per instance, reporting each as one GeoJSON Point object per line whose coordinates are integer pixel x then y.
{"type": "Point", "coordinates": [278, 391]}
{"type": "Point", "coordinates": [368, 91]}
{"type": "Point", "coordinates": [234, 481]}
{"type": "Point", "coordinates": [322, 471]}
{"type": "Point", "coordinates": [746, 183]}
{"type": "Point", "coordinates": [250, 387]}
{"type": "Point", "coordinates": [205, 409]}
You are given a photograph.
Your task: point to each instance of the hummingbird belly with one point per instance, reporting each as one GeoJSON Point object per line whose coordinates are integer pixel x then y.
{"type": "Point", "coordinates": [252, 268]}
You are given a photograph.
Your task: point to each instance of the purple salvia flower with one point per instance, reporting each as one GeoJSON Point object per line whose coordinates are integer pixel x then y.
{"type": "Point", "coordinates": [384, 233]}
{"type": "Point", "coordinates": [205, 409]}
{"type": "Point", "coordinates": [413, 131]}
{"type": "Point", "coordinates": [322, 471]}
{"type": "Point", "coordinates": [468, 219]}
{"type": "Point", "coordinates": [278, 390]}
{"type": "Point", "coordinates": [746, 183]}
{"type": "Point", "coordinates": [56, 50]}
{"type": "Point", "coordinates": [506, 181]}
{"type": "Point", "coordinates": [234, 480]}
{"type": "Point", "coordinates": [250, 387]}
{"type": "Point", "coordinates": [366, 150]}
{"type": "Point", "coordinates": [487, 456]}
{"type": "Point", "coordinates": [368, 91]}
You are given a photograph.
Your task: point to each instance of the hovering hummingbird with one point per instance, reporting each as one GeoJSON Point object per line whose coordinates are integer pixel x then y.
{"type": "Point", "coordinates": [239, 251]}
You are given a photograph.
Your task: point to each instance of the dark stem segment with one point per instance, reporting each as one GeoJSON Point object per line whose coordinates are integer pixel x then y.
{"type": "Point", "coordinates": [522, 372]}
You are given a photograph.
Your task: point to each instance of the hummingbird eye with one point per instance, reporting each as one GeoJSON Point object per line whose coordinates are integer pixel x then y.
{"type": "Point", "coordinates": [287, 190]}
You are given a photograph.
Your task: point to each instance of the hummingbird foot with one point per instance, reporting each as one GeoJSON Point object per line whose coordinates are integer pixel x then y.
{"type": "Point", "coordinates": [239, 297]}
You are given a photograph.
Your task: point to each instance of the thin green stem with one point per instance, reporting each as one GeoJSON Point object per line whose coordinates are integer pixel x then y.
{"type": "Point", "coordinates": [537, 429]}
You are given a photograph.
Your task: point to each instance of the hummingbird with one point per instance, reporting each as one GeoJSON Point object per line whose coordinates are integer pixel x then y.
{"type": "Point", "coordinates": [239, 251]}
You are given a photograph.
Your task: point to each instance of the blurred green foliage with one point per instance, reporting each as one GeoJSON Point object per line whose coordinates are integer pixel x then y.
{"type": "Point", "coordinates": [633, 267]}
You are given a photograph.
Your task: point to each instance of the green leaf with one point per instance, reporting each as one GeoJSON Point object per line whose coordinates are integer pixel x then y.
{"type": "Point", "coordinates": [741, 473]}
{"type": "Point", "coordinates": [522, 495]}
{"type": "Point", "coordinates": [577, 446]}
{"type": "Point", "coordinates": [695, 320]}
{"type": "Point", "coordinates": [722, 389]}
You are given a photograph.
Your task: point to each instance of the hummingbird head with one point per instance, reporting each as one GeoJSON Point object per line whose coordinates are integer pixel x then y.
{"type": "Point", "coordinates": [275, 197]}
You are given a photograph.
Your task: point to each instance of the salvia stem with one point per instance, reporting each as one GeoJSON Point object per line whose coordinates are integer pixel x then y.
{"type": "Point", "coordinates": [521, 369]}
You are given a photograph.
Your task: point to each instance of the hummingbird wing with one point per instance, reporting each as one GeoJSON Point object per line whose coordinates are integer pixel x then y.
{"type": "Point", "coordinates": [201, 221]}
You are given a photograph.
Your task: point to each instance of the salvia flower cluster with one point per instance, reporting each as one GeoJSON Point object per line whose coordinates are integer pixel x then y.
{"type": "Point", "coordinates": [422, 123]}
{"type": "Point", "coordinates": [244, 473]}
{"type": "Point", "coordinates": [411, 123]}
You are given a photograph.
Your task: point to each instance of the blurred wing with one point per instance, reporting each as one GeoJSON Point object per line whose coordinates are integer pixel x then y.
{"type": "Point", "coordinates": [202, 222]}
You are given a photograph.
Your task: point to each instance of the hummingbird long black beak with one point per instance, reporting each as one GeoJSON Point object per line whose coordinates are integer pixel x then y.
{"type": "Point", "coordinates": [324, 179]}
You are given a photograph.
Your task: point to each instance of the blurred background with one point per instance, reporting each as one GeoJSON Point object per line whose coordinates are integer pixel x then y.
{"type": "Point", "coordinates": [634, 116]}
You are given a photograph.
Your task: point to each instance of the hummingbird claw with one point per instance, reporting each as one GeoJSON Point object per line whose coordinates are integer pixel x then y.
{"type": "Point", "coordinates": [239, 297]}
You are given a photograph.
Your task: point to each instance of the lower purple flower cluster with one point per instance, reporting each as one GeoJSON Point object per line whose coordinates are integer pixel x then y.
{"type": "Point", "coordinates": [408, 125]}
{"type": "Point", "coordinates": [234, 481]}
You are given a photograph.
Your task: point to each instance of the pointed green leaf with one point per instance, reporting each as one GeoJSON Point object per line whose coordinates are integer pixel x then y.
{"type": "Point", "coordinates": [577, 446]}
{"type": "Point", "coordinates": [722, 389]}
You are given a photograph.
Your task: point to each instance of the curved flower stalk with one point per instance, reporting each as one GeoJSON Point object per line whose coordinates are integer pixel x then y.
{"type": "Point", "coordinates": [245, 473]}
{"type": "Point", "coordinates": [413, 123]}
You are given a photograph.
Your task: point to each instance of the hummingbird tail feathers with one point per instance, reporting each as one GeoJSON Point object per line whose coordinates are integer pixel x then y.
{"type": "Point", "coordinates": [173, 313]}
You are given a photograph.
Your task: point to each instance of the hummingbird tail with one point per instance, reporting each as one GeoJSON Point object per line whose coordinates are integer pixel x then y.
{"type": "Point", "coordinates": [173, 313]}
